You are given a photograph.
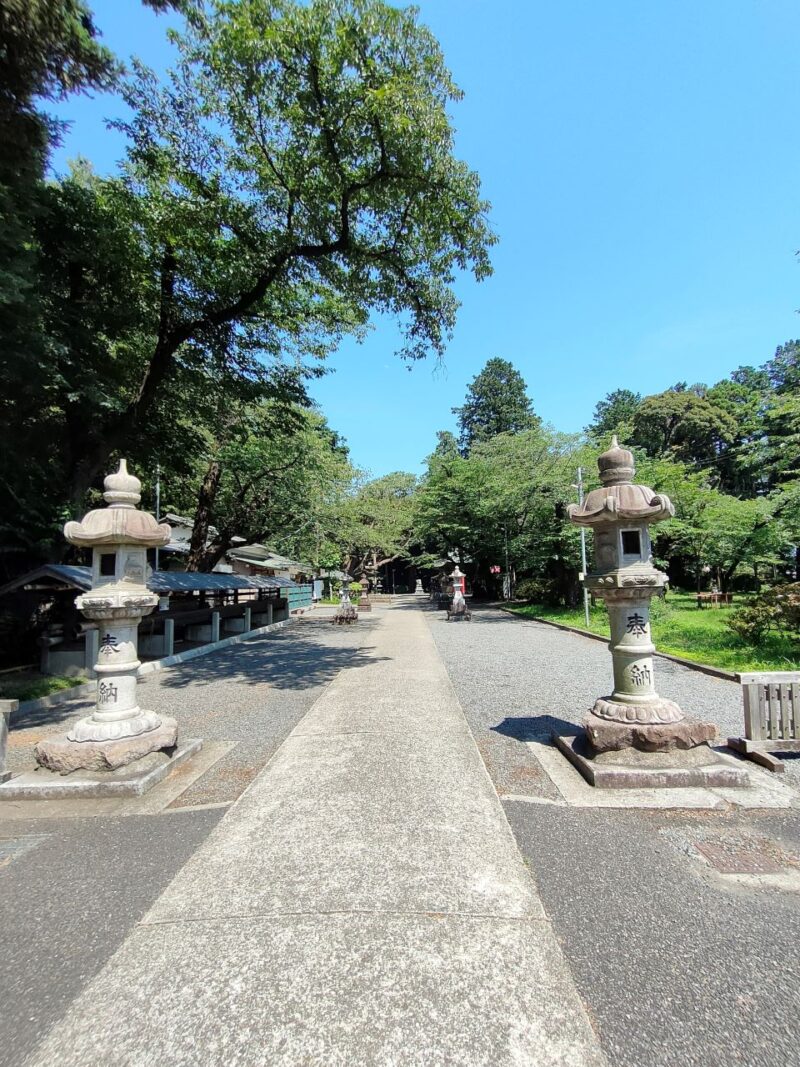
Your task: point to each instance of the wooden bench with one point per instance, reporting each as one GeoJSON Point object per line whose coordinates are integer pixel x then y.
{"type": "Point", "coordinates": [771, 716]}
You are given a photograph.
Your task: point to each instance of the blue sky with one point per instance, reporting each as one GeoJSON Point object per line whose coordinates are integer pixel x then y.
{"type": "Point", "coordinates": [642, 162]}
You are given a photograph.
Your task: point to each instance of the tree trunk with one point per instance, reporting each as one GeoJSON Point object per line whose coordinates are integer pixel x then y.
{"type": "Point", "coordinates": [212, 554]}
{"type": "Point", "coordinates": [202, 519]}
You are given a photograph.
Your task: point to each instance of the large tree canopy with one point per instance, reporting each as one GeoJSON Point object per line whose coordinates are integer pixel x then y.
{"type": "Point", "coordinates": [298, 172]}
{"type": "Point", "coordinates": [292, 175]}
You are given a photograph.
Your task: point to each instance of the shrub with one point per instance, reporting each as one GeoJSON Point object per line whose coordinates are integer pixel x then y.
{"type": "Point", "coordinates": [536, 590]}
{"type": "Point", "coordinates": [776, 609]}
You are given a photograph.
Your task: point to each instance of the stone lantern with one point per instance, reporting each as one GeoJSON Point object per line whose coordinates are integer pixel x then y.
{"type": "Point", "coordinates": [345, 612]}
{"type": "Point", "coordinates": [633, 717]}
{"type": "Point", "coordinates": [119, 731]}
{"type": "Point", "coordinates": [458, 609]}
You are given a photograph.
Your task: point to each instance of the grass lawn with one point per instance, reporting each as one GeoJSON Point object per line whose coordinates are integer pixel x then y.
{"type": "Point", "coordinates": [27, 686]}
{"type": "Point", "coordinates": [680, 628]}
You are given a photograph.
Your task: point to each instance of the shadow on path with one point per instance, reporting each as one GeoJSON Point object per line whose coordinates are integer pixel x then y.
{"type": "Point", "coordinates": [537, 728]}
{"type": "Point", "coordinates": [299, 658]}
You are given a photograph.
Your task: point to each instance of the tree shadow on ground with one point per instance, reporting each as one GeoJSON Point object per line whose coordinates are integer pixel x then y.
{"type": "Point", "coordinates": [295, 658]}
{"type": "Point", "coordinates": [298, 658]}
{"type": "Point", "coordinates": [52, 715]}
{"type": "Point", "coordinates": [534, 728]}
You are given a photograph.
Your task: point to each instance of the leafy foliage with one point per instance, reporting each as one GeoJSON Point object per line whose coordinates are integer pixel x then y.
{"type": "Point", "coordinates": [776, 609]}
{"type": "Point", "coordinates": [615, 411]}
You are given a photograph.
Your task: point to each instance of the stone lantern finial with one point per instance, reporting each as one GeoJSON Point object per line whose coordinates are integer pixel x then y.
{"type": "Point", "coordinates": [122, 489]}
{"type": "Point", "coordinates": [616, 465]}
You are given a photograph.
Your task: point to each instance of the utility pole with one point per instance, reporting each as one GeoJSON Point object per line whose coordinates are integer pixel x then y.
{"type": "Point", "coordinates": [158, 501]}
{"type": "Point", "coordinates": [507, 582]}
{"type": "Point", "coordinates": [579, 487]}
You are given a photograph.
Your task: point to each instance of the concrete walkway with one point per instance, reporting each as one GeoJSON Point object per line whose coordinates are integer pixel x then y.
{"type": "Point", "coordinates": [364, 902]}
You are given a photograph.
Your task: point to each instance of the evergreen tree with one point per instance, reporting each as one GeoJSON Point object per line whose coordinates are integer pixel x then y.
{"type": "Point", "coordinates": [610, 413]}
{"type": "Point", "coordinates": [497, 402]}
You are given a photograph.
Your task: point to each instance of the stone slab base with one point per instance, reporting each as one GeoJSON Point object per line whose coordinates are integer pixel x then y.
{"type": "Point", "coordinates": [65, 756]}
{"type": "Point", "coordinates": [130, 781]}
{"type": "Point", "coordinates": [633, 769]}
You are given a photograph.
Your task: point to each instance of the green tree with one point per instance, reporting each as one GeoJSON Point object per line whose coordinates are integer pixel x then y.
{"type": "Point", "coordinates": [684, 426]}
{"type": "Point", "coordinates": [48, 49]}
{"type": "Point", "coordinates": [784, 367]}
{"type": "Point", "coordinates": [496, 402]}
{"type": "Point", "coordinates": [614, 411]}
{"type": "Point", "coordinates": [376, 523]}
{"type": "Point", "coordinates": [277, 471]}
{"type": "Point", "coordinates": [288, 172]}
{"type": "Point", "coordinates": [745, 398]}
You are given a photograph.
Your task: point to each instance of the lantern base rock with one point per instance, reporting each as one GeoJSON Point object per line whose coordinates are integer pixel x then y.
{"type": "Point", "coordinates": [133, 780]}
{"type": "Point", "coordinates": [62, 755]}
{"type": "Point", "coordinates": [606, 734]}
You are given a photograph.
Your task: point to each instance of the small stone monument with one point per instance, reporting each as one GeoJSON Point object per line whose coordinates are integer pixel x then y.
{"type": "Point", "coordinates": [345, 612]}
{"type": "Point", "coordinates": [418, 590]}
{"type": "Point", "coordinates": [634, 737]}
{"type": "Point", "coordinates": [119, 731]}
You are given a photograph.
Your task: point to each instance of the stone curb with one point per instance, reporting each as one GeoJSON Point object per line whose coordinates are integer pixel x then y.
{"type": "Point", "coordinates": [703, 668]}
{"type": "Point", "coordinates": [151, 667]}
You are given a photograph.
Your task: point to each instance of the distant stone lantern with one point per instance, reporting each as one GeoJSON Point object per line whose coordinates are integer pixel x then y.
{"type": "Point", "coordinates": [119, 731]}
{"type": "Point", "coordinates": [458, 609]}
{"type": "Point", "coordinates": [345, 612]}
{"type": "Point", "coordinates": [634, 716]}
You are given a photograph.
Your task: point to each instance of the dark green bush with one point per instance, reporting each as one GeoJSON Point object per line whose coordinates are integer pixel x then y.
{"type": "Point", "coordinates": [775, 610]}
{"type": "Point", "coordinates": [536, 590]}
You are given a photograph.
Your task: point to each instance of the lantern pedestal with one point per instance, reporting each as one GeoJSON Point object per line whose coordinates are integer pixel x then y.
{"type": "Point", "coordinates": [345, 613]}
{"type": "Point", "coordinates": [132, 780]}
{"type": "Point", "coordinates": [632, 768]}
{"type": "Point", "coordinates": [64, 755]}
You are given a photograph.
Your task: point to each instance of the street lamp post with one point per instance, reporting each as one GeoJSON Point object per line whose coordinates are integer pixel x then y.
{"type": "Point", "coordinates": [579, 487]}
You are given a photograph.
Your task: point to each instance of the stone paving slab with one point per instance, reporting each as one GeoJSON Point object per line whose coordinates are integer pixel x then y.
{"type": "Point", "coordinates": [349, 823]}
{"type": "Point", "coordinates": [312, 990]}
{"type": "Point", "coordinates": [682, 966]}
{"type": "Point", "coordinates": [363, 902]}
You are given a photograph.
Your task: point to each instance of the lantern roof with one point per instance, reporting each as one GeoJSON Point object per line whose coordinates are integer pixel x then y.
{"type": "Point", "coordinates": [619, 499]}
{"type": "Point", "coordinates": [121, 523]}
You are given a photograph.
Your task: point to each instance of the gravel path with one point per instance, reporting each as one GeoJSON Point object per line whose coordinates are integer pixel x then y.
{"type": "Point", "coordinates": [678, 965]}
{"type": "Point", "coordinates": [520, 679]}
